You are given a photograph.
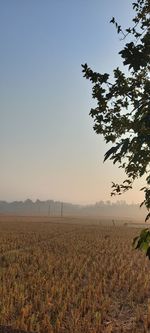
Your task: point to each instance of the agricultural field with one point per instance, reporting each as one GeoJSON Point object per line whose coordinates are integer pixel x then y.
{"type": "Point", "coordinates": [69, 276]}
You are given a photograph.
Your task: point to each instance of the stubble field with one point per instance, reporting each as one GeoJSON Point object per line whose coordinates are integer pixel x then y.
{"type": "Point", "coordinates": [69, 276]}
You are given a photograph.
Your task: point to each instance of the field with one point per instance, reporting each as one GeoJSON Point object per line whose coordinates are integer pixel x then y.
{"type": "Point", "coordinates": [72, 276]}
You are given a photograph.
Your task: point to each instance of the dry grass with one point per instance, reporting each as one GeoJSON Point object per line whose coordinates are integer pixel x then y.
{"type": "Point", "coordinates": [72, 278]}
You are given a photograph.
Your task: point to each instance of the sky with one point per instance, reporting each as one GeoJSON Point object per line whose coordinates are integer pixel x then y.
{"type": "Point", "coordinates": [47, 144]}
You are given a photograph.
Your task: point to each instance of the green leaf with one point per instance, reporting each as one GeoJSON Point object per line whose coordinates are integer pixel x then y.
{"type": "Point", "coordinates": [144, 246]}
{"type": "Point", "coordinates": [135, 240]}
{"type": "Point", "coordinates": [147, 217]}
{"type": "Point", "coordinates": [112, 20]}
{"type": "Point", "coordinates": [148, 253]}
{"type": "Point", "coordinates": [111, 151]}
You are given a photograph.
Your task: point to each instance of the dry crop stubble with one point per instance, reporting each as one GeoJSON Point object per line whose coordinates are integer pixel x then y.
{"type": "Point", "coordinates": [72, 277]}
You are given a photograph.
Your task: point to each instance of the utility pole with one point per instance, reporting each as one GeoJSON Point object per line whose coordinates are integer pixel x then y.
{"type": "Point", "coordinates": [49, 209]}
{"type": "Point", "coordinates": [113, 222]}
{"type": "Point", "coordinates": [62, 209]}
{"type": "Point", "coordinates": [38, 207]}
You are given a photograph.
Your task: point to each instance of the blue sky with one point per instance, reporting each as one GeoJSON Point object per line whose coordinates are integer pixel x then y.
{"type": "Point", "coordinates": [48, 147]}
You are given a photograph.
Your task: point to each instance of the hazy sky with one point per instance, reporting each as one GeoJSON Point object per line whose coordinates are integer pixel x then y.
{"type": "Point", "coordinates": [47, 144]}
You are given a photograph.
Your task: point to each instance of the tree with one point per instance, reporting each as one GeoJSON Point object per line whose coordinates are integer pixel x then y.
{"type": "Point", "coordinates": [122, 114]}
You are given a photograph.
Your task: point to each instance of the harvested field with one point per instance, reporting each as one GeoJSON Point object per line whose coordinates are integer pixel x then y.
{"type": "Point", "coordinates": [69, 276]}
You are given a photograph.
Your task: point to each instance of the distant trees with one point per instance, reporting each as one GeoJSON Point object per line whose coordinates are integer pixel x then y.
{"type": "Point", "coordinates": [122, 113]}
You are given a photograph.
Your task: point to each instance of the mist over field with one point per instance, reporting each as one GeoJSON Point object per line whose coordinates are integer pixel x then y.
{"type": "Point", "coordinates": [120, 209]}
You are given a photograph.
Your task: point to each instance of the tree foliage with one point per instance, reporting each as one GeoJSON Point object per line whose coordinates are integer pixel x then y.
{"type": "Point", "coordinates": [122, 113]}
